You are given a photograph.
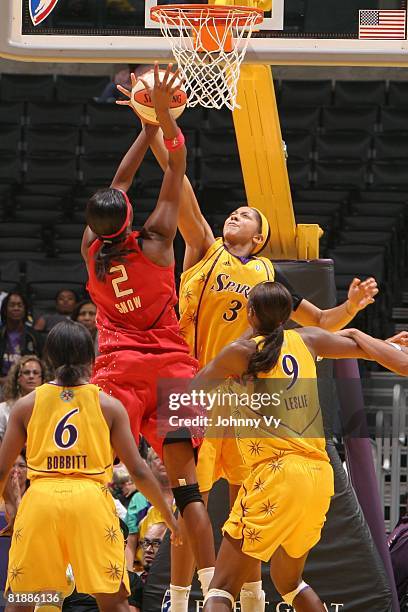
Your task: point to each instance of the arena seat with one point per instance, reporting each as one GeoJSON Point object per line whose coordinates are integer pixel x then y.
{"type": "Point", "coordinates": [398, 94]}
{"type": "Point", "coordinates": [45, 216]}
{"type": "Point", "coordinates": [10, 139]}
{"type": "Point", "coordinates": [106, 116]}
{"type": "Point", "coordinates": [10, 169]}
{"type": "Point", "coordinates": [94, 142]}
{"type": "Point", "coordinates": [352, 174]}
{"type": "Point", "coordinates": [222, 171]}
{"type": "Point", "coordinates": [299, 145]}
{"type": "Point", "coordinates": [359, 93]}
{"type": "Point", "coordinates": [292, 119]}
{"type": "Point", "coordinates": [300, 93]}
{"type": "Point", "coordinates": [216, 142]}
{"type": "Point", "coordinates": [56, 141]}
{"type": "Point", "coordinates": [73, 88]}
{"type": "Point", "coordinates": [377, 195]}
{"type": "Point", "coordinates": [343, 145]}
{"type": "Point", "coordinates": [9, 275]}
{"type": "Point", "coordinates": [54, 114]}
{"type": "Point", "coordinates": [361, 119]}
{"type": "Point", "coordinates": [11, 113]}
{"type": "Point", "coordinates": [42, 168]}
{"type": "Point", "coordinates": [392, 175]}
{"type": "Point", "coordinates": [191, 118]}
{"type": "Point", "coordinates": [220, 119]}
{"type": "Point", "coordinates": [391, 146]}
{"type": "Point", "coordinates": [300, 173]}
{"type": "Point", "coordinates": [20, 230]}
{"type": "Point", "coordinates": [35, 202]}
{"type": "Point", "coordinates": [97, 169]}
{"type": "Point", "coordinates": [21, 87]}
{"type": "Point", "coordinates": [394, 119]}
{"type": "Point", "coordinates": [322, 195]}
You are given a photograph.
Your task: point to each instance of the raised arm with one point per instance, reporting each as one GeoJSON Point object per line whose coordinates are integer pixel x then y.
{"type": "Point", "coordinates": [232, 360]}
{"type": "Point", "coordinates": [360, 295]}
{"type": "Point", "coordinates": [195, 230]}
{"type": "Point", "coordinates": [162, 223]}
{"type": "Point", "coordinates": [125, 174]}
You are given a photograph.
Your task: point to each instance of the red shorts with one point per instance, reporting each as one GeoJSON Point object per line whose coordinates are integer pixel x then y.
{"type": "Point", "coordinates": [133, 378]}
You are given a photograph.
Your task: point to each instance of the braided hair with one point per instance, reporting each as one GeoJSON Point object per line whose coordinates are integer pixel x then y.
{"type": "Point", "coordinates": [271, 303]}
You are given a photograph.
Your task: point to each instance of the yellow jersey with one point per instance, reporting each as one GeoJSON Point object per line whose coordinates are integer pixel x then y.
{"type": "Point", "coordinates": [67, 434]}
{"type": "Point", "coordinates": [213, 298]}
{"type": "Point", "coordinates": [288, 418]}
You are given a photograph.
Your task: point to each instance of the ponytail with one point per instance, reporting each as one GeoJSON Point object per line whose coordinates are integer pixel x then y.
{"type": "Point", "coordinates": [69, 375]}
{"type": "Point", "coordinates": [265, 360]}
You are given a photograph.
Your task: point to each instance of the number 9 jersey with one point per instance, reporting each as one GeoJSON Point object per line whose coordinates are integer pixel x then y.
{"type": "Point", "coordinates": [213, 298]}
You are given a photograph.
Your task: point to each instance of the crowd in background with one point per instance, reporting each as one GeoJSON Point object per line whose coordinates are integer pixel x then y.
{"type": "Point", "coordinates": [22, 369]}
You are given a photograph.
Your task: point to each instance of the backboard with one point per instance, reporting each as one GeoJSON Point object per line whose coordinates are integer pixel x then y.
{"type": "Point", "coordinates": [300, 32]}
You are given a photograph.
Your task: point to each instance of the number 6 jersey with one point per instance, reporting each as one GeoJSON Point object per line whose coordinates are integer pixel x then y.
{"type": "Point", "coordinates": [135, 302]}
{"type": "Point", "coordinates": [67, 434]}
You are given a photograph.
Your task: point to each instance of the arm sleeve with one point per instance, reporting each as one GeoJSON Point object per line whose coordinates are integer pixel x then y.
{"type": "Point", "coordinates": [280, 277]}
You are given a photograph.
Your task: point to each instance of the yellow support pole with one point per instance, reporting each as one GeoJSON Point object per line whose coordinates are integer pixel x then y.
{"type": "Point", "coordinates": [262, 157]}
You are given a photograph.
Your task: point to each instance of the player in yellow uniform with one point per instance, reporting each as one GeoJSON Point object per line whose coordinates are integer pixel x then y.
{"type": "Point", "coordinates": [72, 431]}
{"type": "Point", "coordinates": [282, 504]}
{"type": "Point", "coordinates": [218, 275]}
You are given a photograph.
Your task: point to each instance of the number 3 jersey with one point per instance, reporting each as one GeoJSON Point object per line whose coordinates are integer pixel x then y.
{"type": "Point", "coordinates": [135, 302]}
{"type": "Point", "coordinates": [213, 299]}
{"type": "Point", "coordinates": [67, 434]}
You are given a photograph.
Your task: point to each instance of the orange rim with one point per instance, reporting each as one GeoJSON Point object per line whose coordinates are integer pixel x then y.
{"type": "Point", "coordinates": [220, 14]}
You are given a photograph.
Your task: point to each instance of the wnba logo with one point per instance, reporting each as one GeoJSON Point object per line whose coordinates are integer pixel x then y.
{"type": "Point", "coordinates": [41, 9]}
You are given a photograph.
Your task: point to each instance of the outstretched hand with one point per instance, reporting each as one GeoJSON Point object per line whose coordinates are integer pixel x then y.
{"type": "Point", "coordinates": [163, 90]}
{"type": "Point", "coordinates": [401, 338]}
{"type": "Point", "coordinates": [161, 93]}
{"type": "Point", "coordinates": [175, 532]}
{"type": "Point", "coordinates": [362, 293]}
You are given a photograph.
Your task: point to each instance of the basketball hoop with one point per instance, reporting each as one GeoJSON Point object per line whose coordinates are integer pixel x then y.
{"type": "Point", "coordinates": [208, 44]}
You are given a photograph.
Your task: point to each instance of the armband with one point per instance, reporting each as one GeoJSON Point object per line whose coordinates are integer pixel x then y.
{"type": "Point", "coordinates": [172, 144]}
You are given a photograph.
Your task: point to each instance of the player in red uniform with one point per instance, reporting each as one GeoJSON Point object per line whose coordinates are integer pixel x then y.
{"type": "Point", "coordinates": [131, 280]}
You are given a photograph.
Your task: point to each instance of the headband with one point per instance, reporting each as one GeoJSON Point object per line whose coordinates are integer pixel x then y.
{"type": "Point", "coordinates": [265, 231]}
{"type": "Point", "coordinates": [129, 210]}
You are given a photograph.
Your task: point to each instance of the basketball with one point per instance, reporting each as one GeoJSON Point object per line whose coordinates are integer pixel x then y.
{"type": "Point", "coordinates": [142, 102]}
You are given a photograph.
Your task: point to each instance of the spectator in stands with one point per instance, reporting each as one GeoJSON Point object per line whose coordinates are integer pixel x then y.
{"type": "Point", "coordinates": [111, 92]}
{"type": "Point", "coordinates": [16, 486]}
{"type": "Point", "coordinates": [141, 515]}
{"type": "Point", "coordinates": [150, 545]}
{"type": "Point", "coordinates": [16, 337]}
{"type": "Point", "coordinates": [65, 302]}
{"type": "Point", "coordinates": [23, 377]}
{"type": "Point", "coordinates": [123, 486]}
{"type": "Point", "coordinates": [85, 313]}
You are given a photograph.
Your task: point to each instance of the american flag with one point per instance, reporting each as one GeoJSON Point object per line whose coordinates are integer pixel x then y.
{"type": "Point", "coordinates": [382, 24]}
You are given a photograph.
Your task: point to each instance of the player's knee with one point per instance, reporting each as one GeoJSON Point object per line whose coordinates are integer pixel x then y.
{"type": "Point", "coordinates": [284, 584]}
{"type": "Point", "coordinates": [289, 595]}
{"type": "Point", "coordinates": [185, 495]}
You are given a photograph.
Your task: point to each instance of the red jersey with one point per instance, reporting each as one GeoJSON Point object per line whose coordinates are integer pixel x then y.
{"type": "Point", "coordinates": [135, 303]}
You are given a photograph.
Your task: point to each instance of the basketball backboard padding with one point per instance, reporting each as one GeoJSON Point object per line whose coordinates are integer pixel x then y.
{"type": "Point", "coordinates": [288, 35]}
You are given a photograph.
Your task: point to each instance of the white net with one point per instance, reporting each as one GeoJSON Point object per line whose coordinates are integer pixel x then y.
{"type": "Point", "coordinates": [211, 77]}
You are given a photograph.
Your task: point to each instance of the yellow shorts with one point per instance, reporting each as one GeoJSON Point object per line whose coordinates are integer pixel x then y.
{"type": "Point", "coordinates": [62, 521]}
{"type": "Point", "coordinates": [220, 458]}
{"type": "Point", "coordinates": [283, 504]}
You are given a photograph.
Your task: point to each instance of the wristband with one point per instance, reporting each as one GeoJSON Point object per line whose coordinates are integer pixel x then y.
{"type": "Point", "coordinates": [396, 346]}
{"type": "Point", "coordinates": [172, 144]}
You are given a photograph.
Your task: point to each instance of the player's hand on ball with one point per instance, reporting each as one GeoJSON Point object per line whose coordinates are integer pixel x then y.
{"type": "Point", "coordinates": [362, 293]}
{"type": "Point", "coordinates": [163, 90]}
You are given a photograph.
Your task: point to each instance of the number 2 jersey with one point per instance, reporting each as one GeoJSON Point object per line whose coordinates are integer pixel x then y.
{"type": "Point", "coordinates": [135, 302]}
{"type": "Point", "coordinates": [213, 298]}
{"type": "Point", "coordinates": [67, 434]}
